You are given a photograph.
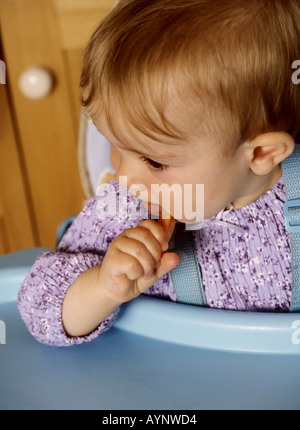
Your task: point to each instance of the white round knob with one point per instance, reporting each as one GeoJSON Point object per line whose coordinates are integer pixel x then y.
{"type": "Point", "coordinates": [36, 82]}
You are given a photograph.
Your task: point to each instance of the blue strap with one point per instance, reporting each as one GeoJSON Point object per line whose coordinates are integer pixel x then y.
{"type": "Point", "coordinates": [291, 174]}
{"type": "Point", "coordinates": [186, 276]}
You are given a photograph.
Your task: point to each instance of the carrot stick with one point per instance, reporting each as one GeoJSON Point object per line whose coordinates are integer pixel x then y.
{"type": "Point", "coordinates": [168, 225]}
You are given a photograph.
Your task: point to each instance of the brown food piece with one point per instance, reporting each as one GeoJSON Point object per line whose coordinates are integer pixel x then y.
{"type": "Point", "coordinates": [165, 222]}
{"type": "Point", "coordinates": [168, 225]}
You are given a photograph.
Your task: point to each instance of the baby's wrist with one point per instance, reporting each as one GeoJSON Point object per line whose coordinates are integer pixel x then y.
{"type": "Point", "coordinates": [105, 295]}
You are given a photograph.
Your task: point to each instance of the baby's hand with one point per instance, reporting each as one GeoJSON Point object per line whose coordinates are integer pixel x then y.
{"type": "Point", "coordinates": [135, 260]}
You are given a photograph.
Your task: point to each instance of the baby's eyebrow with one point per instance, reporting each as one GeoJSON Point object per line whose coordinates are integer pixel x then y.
{"type": "Point", "coordinates": [149, 155]}
{"type": "Point", "coordinates": [129, 148]}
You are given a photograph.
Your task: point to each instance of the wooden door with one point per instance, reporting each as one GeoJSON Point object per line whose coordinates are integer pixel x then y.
{"type": "Point", "coordinates": [16, 216]}
{"type": "Point", "coordinates": [48, 141]}
{"type": "Point", "coordinates": [50, 34]}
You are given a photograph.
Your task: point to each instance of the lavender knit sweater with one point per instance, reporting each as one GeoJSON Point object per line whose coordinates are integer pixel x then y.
{"type": "Point", "coordinates": [244, 257]}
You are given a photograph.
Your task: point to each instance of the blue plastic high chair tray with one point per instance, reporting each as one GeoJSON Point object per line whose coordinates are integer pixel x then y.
{"type": "Point", "coordinates": [158, 355]}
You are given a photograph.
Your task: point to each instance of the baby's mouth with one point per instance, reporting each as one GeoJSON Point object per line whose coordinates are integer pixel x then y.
{"type": "Point", "coordinates": [156, 209]}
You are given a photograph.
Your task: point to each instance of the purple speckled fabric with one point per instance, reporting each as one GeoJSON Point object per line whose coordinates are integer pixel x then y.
{"type": "Point", "coordinates": [246, 268]}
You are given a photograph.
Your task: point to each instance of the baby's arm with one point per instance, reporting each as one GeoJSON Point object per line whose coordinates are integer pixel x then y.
{"type": "Point", "coordinates": [134, 261]}
{"type": "Point", "coordinates": [42, 294]}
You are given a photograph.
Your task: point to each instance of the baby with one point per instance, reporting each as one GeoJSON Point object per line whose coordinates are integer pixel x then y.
{"type": "Point", "coordinates": [187, 92]}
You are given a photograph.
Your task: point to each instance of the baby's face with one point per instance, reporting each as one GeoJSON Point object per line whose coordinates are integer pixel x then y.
{"type": "Point", "coordinates": [188, 180]}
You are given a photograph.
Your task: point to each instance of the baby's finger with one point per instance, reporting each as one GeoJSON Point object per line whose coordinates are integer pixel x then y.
{"type": "Point", "coordinates": [129, 267]}
{"type": "Point", "coordinates": [169, 260]}
{"type": "Point", "coordinates": [140, 252]}
{"type": "Point", "coordinates": [157, 231]}
{"type": "Point", "coordinates": [146, 237]}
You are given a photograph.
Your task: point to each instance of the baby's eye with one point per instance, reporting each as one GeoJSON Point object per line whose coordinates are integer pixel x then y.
{"type": "Point", "coordinates": [154, 164]}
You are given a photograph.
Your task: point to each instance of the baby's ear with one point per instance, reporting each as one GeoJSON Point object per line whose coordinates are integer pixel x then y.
{"type": "Point", "coordinates": [268, 150]}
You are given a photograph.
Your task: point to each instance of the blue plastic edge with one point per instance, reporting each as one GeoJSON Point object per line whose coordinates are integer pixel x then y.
{"type": "Point", "coordinates": [192, 326]}
{"type": "Point", "coordinates": [215, 329]}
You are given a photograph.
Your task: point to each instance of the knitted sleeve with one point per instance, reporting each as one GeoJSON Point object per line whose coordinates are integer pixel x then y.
{"type": "Point", "coordinates": [84, 245]}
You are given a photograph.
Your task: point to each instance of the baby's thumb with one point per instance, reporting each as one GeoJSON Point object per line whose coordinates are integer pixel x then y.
{"type": "Point", "coordinates": [168, 261]}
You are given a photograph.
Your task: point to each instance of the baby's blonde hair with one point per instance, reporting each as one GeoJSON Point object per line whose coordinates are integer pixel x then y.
{"type": "Point", "coordinates": [228, 62]}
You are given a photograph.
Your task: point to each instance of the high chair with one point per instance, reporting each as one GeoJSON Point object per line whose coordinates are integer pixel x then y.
{"type": "Point", "coordinates": [159, 355]}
